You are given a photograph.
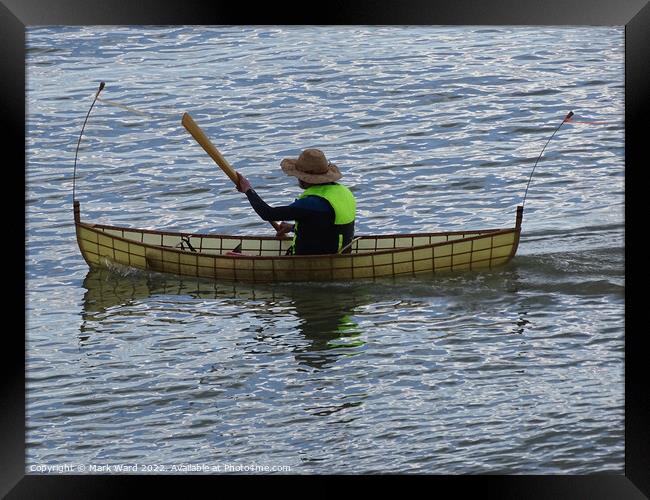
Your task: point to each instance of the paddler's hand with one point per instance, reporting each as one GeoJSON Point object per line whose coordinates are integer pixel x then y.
{"type": "Point", "coordinates": [284, 229]}
{"type": "Point", "coordinates": [243, 185]}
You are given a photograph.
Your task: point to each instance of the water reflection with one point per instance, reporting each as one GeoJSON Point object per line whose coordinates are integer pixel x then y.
{"type": "Point", "coordinates": [327, 321]}
{"type": "Point", "coordinates": [521, 323]}
{"type": "Point", "coordinates": [324, 314]}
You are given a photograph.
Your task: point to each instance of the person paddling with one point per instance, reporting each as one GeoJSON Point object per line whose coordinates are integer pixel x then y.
{"type": "Point", "coordinates": [324, 214]}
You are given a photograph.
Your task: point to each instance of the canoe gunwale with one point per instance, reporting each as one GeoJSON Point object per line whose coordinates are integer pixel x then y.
{"type": "Point", "coordinates": [246, 237]}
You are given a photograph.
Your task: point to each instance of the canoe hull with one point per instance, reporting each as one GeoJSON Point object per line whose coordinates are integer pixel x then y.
{"type": "Point", "coordinates": [263, 259]}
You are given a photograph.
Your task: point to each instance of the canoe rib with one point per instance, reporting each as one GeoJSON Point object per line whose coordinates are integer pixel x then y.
{"type": "Point", "coordinates": [264, 258]}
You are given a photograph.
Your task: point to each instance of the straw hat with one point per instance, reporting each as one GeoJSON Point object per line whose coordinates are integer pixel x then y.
{"type": "Point", "coordinates": [312, 167]}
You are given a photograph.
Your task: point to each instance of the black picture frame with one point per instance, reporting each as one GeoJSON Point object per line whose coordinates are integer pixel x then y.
{"type": "Point", "coordinates": [16, 15]}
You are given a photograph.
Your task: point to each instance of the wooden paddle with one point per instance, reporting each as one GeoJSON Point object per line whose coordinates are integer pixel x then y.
{"type": "Point", "coordinates": [214, 153]}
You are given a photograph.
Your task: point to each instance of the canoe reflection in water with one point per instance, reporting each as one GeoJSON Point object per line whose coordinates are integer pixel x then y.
{"type": "Point", "coordinates": [327, 322]}
{"type": "Point", "coordinates": [322, 313]}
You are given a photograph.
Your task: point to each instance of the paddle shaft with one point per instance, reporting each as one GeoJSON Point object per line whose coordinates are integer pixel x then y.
{"type": "Point", "coordinates": [200, 137]}
{"type": "Point", "coordinates": [209, 148]}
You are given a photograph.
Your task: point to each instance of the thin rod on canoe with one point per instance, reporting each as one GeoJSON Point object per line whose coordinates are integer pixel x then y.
{"type": "Point", "coordinates": [350, 244]}
{"type": "Point", "coordinates": [566, 119]}
{"type": "Point", "coordinates": [76, 154]}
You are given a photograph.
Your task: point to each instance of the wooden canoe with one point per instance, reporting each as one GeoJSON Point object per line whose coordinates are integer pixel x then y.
{"type": "Point", "coordinates": [263, 258]}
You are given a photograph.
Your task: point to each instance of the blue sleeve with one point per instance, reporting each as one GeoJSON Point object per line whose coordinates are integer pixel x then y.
{"type": "Point", "coordinates": [314, 203]}
{"type": "Point", "coordinates": [302, 209]}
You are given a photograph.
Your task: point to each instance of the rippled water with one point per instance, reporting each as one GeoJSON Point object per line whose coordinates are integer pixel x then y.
{"type": "Point", "coordinates": [516, 370]}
